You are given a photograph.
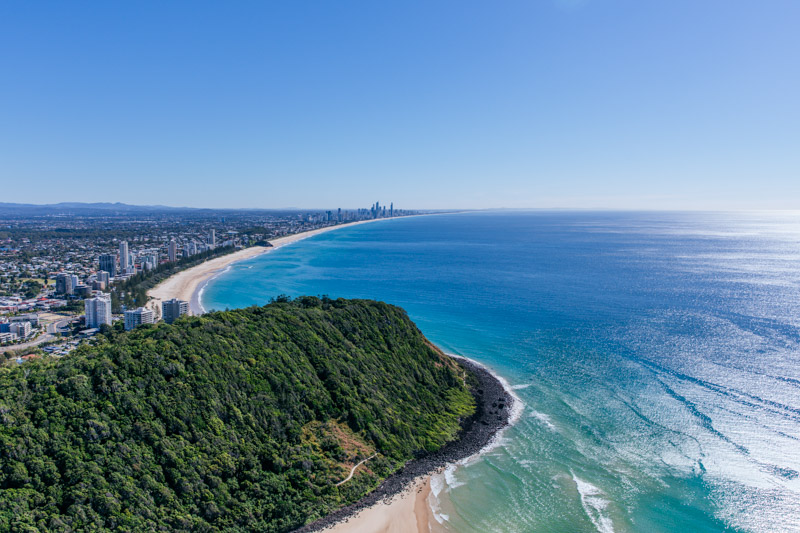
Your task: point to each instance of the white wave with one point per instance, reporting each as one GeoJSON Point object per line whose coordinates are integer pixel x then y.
{"type": "Point", "coordinates": [594, 504]}
{"type": "Point", "coordinates": [202, 289]}
{"type": "Point", "coordinates": [450, 477]}
{"type": "Point", "coordinates": [516, 408]}
{"type": "Point", "coordinates": [438, 482]}
{"type": "Point", "coordinates": [200, 299]}
{"type": "Point", "coordinates": [544, 419]}
{"type": "Point", "coordinates": [521, 386]}
{"type": "Point", "coordinates": [446, 480]}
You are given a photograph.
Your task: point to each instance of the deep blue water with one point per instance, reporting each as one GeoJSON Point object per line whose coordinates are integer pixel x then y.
{"type": "Point", "coordinates": [656, 355]}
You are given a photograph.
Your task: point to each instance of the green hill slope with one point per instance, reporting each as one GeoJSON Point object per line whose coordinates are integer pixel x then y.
{"type": "Point", "coordinates": [238, 420]}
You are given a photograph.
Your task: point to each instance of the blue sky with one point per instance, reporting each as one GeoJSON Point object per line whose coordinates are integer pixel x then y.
{"type": "Point", "coordinates": [441, 104]}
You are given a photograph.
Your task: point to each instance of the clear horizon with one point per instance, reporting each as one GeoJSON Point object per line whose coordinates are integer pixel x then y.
{"type": "Point", "coordinates": [562, 104]}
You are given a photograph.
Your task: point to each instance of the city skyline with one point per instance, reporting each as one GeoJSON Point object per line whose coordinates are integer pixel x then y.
{"type": "Point", "coordinates": [557, 104]}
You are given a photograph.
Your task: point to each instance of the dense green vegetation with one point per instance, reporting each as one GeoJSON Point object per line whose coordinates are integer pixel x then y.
{"type": "Point", "coordinates": [234, 421]}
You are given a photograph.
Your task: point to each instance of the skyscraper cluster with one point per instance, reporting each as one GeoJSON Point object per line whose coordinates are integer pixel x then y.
{"type": "Point", "coordinates": [379, 211]}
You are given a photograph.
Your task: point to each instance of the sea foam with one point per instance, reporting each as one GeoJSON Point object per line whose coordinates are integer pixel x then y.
{"type": "Point", "coordinates": [594, 504]}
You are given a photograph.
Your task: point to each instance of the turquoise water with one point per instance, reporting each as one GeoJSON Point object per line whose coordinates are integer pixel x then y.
{"type": "Point", "coordinates": [656, 355]}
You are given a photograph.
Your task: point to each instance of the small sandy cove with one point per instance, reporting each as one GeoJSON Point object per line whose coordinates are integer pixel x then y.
{"type": "Point", "coordinates": [407, 512]}
{"type": "Point", "coordinates": [185, 284]}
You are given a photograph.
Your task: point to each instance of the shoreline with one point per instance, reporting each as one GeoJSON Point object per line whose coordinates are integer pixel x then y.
{"type": "Point", "coordinates": [400, 504]}
{"type": "Point", "coordinates": [189, 284]}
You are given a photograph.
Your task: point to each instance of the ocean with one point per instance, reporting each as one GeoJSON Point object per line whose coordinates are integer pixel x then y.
{"type": "Point", "coordinates": [657, 357]}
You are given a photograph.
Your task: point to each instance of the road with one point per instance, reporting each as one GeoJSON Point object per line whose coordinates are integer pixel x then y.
{"type": "Point", "coordinates": [51, 330]}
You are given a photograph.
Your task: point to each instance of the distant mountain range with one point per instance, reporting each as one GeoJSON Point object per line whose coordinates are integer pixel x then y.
{"type": "Point", "coordinates": [119, 207]}
{"type": "Point", "coordinates": [97, 206]}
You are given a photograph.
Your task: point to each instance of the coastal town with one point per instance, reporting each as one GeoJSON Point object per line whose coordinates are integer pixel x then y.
{"type": "Point", "coordinates": [69, 270]}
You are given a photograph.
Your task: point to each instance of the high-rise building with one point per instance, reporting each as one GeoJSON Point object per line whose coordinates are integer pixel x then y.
{"type": "Point", "coordinates": [64, 284]}
{"type": "Point", "coordinates": [108, 262]}
{"type": "Point", "coordinates": [148, 261]}
{"type": "Point", "coordinates": [137, 317]}
{"type": "Point", "coordinates": [172, 309]}
{"type": "Point", "coordinates": [22, 329]}
{"type": "Point", "coordinates": [391, 209]}
{"type": "Point", "coordinates": [101, 281]}
{"type": "Point", "coordinates": [124, 257]}
{"type": "Point", "coordinates": [212, 239]}
{"type": "Point", "coordinates": [172, 250]}
{"type": "Point", "coordinates": [83, 291]}
{"type": "Point", "coordinates": [98, 310]}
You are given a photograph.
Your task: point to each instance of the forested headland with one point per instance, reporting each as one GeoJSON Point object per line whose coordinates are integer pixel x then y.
{"type": "Point", "coordinates": [239, 420]}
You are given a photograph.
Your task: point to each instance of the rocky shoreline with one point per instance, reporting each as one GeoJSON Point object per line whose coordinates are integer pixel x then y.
{"type": "Point", "coordinates": [492, 414]}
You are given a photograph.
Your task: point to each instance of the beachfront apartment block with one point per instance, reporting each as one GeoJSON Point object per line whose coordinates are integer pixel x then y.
{"type": "Point", "coordinates": [98, 310]}
{"type": "Point", "coordinates": [137, 317]}
{"type": "Point", "coordinates": [172, 309]}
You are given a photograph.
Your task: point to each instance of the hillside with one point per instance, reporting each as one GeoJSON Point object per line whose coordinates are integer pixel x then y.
{"type": "Point", "coordinates": [239, 420]}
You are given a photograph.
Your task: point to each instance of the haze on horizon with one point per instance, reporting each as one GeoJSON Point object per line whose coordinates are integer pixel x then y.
{"type": "Point", "coordinates": [559, 103]}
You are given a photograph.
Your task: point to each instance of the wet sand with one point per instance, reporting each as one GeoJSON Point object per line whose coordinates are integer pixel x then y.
{"type": "Point", "coordinates": [407, 512]}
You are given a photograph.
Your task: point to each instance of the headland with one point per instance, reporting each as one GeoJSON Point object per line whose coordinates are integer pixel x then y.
{"type": "Point", "coordinates": [400, 503]}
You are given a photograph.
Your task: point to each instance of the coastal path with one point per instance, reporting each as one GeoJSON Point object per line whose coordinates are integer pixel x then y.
{"type": "Point", "coordinates": [353, 470]}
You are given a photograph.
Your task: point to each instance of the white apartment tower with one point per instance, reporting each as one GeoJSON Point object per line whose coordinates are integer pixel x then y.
{"type": "Point", "coordinates": [98, 310]}
{"type": "Point", "coordinates": [124, 257]}
{"type": "Point", "coordinates": [137, 317]}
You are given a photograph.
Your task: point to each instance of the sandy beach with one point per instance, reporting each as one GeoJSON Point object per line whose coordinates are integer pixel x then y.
{"type": "Point", "coordinates": [186, 284]}
{"type": "Point", "coordinates": [406, 512]}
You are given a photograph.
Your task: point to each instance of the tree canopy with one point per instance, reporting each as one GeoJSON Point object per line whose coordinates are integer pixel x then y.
{"type": "Point", "coordinates": [239, 420]}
